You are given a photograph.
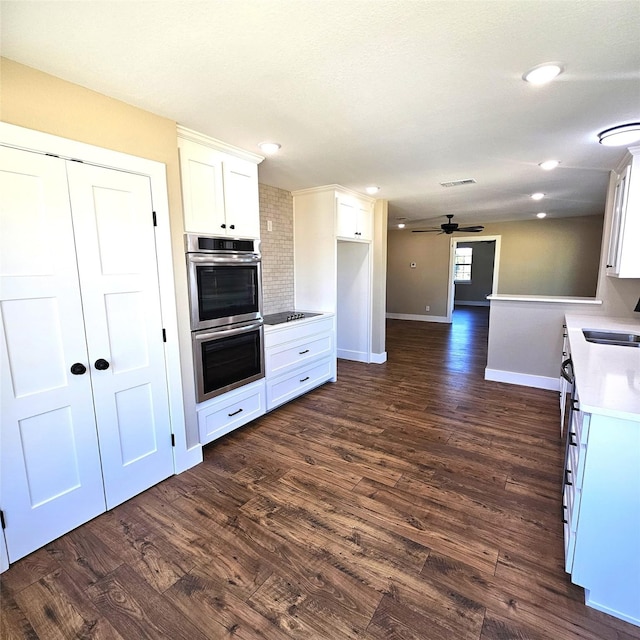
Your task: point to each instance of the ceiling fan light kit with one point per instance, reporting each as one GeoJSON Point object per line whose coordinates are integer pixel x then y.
{"type": "Point", "coordinates": [620, 135]}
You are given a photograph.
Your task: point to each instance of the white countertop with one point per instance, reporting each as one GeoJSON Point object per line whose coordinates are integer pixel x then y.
{"type": "Point", "coordinates": [268, 328]}
{"type": "Point", "coordinates": [534, 298]}
{"type": "Point", "coordinates": [607, 376]}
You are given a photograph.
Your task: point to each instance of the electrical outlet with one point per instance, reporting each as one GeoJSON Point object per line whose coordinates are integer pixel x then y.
{"type": "Point", "coordinates": [269, 225]}
{"type": "Point", "coordinates": [427, 308]}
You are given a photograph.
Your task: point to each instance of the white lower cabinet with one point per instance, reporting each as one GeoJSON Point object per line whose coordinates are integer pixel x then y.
{"type": "Point", "coordinates": [231, 410]}
{"type": "Point", "coordinates": [299, 356]}
{"type": "Point", "coordinates": [601, 506]}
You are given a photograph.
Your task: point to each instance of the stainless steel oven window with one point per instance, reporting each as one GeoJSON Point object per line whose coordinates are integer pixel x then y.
{"type": "Point", "coordinates": [224, 289]}
{"type": "Point", "coordinates": [227, 358]}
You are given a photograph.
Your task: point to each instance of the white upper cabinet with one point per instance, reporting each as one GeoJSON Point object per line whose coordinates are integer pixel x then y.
{"type": "Point", "coordinates": [623, 258]}
{"type": "Point", "coordinates": [219, 187]}
{"type": "Point", "coordinates": [354, 218]}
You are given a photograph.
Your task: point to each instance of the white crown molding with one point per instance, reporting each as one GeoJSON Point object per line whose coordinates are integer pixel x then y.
{"type": "Point", "coordinates": [334, 187]}
{"type": "Point", "coordinates": [218, 145]}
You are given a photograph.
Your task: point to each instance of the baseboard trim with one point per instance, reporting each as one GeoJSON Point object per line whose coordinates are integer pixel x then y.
{"type": "Point", "coordinates": [612, 612]}
{"type": "Point", "coordinates": [188, 458]}
{"type": "Point", "coordinates": [379, 358]}
{"type": "Point", "coordinates": [355, 356]}
{"type": "Point", "coordinates": [471, 303]}
{"type": "Point", "coordinates": [523, 379]}
{"type": "Point", "coordinates": [418, 318]}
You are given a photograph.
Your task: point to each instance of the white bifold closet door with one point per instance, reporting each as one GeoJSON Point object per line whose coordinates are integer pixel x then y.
{"type": "Point", "coordinates": [78, 291]}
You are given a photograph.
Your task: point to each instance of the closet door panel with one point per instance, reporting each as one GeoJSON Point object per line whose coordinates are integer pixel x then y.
{"type": "Point", "coordinates": [112, 213]}
{"type": "Point", "coordinates": [50, 474]}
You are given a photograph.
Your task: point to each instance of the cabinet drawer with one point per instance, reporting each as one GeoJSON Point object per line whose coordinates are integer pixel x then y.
{"type": "Point", "coordinates": [231, 410]}
{"type": "Point", "coordinates": [580, 424]}
{"type": "Point", "coordinates": [287, 387]}
{"type": "Point", "coordinates": [578, 455]}
{"type": "Point", "coordinates": [569, 529]}
{"type": "Point", "coordinates": [285, 357]}
{"type": "Point", "coordinates": [289, 332]}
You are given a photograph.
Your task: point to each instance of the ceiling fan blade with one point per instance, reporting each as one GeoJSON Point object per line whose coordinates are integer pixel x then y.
{"type": "Point", "coordinates": [425, 230]}
{"type": "Point", "coordinates": [472, 229]}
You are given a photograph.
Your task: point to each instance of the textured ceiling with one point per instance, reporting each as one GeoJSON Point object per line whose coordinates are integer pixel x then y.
{"type": "Point", "coordinates": [404, 94]}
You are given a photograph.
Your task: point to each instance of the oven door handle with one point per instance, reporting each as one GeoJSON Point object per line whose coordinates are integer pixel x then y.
{"type": "Point", "coordinates": [215, 334]}
{"type": "Point", "coordinates": [207, 258]}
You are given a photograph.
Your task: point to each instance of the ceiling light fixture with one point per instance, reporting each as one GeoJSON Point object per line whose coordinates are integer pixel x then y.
{"type": "Point", "coordinates": [269, 148]}
{"type": "Point", "coordinates": [620, 135]}
{"type": "Point", "coordinates": [372, 190]}
{"type": "Point", "coordinates": [542, 214]}
{"type": "Point", "coordinates": [543, 73]}
{"type": "Point", "coordinates": [537, 196]}
{"type": "Point", "coordinates": [548, 165]}
{"type": "Point", "coordinates": [401, 225]}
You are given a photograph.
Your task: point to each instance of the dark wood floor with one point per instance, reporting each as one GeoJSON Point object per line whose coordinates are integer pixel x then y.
{"type": "Point", "coordinates": [409, 500]}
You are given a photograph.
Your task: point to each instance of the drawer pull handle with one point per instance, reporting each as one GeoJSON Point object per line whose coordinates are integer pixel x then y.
{"type": "Point", "coordinates": [574, 404]}
{"type": "Point", "coordinates": [565, 521]}
{"type": "Point", "coordinates": [572, 442]}
{"type": "Point", "coordinates": [304, 379]}
{"type": "Point", "coordinates": [235, 413]}
{"type": "Point", "coordinates": [566, 477]}
{"type": "Point", "coordinates": [301, 353]}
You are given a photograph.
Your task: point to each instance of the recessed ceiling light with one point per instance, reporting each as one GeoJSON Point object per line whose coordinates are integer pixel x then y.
{"type": "Point", "coordinates": [372, 190]}
{"type": "Point", "coordinates": [537, 196]}
{"type": "Point", "coordinates": [548, 165]}
{"type": "Point", "coordinates": [269, 147]}
{"type": "Point", "coordinates": [401, 225]}
{"type": "Point", "coordinates": [542, 214]}
{"type": "Point", "coordinates": [621, 135]}
{"type": "Point", "coordinates": [543, 73]}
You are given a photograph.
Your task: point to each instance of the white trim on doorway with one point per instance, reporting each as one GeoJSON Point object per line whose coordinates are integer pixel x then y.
{"type": "Point", "coordinates": [39, 142]}
{"type": "Point", "coordinates": [452, 252]}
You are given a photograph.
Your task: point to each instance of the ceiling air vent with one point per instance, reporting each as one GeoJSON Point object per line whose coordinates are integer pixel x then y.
{"type": "Point", "coordinates": [458, 183]}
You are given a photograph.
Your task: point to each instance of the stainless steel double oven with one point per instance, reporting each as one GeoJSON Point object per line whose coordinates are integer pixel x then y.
{"type": "Point", "coordinates": [225, 297]}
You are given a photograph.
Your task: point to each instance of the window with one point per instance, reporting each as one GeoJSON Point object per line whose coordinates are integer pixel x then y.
{"type": "Point", "coordinates": [462, 264]}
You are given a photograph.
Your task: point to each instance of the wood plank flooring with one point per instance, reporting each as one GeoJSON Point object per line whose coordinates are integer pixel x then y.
{"type": "Point", "coordinates": [411, 500]}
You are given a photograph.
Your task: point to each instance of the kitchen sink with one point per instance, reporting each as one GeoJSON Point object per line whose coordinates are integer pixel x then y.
{"type": "Point", "coordinates": [619, 338]}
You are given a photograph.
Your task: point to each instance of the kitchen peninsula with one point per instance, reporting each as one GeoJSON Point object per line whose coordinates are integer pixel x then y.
{"type": "Point", "coordinates": [601, 490]}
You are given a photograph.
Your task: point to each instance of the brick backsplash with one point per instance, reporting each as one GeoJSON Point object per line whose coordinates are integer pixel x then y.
{"type": "Point", "coordinates": [276, 205]}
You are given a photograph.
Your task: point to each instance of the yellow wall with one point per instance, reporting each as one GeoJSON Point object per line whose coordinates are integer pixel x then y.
{"type": "Point", "coordinates": [556, 257]}
{"type": "Point", "coordinates": [36, 100]}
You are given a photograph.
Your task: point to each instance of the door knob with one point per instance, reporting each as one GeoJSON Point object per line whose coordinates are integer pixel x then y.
{"type": "Point", "coordinates": [101, 364]}
{"type": "Point", "coordinates": [78, 369]}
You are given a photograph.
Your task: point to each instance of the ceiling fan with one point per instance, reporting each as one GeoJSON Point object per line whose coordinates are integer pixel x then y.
{"type": "Point", "coordinates": [449, 227]}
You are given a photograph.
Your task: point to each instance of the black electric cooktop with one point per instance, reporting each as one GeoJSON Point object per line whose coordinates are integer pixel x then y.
{"type": "Point", "coordinates": [287, 316]}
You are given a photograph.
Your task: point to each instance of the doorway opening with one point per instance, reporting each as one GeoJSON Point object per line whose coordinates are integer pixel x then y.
{"type": "Point", "coordinates": [473, 274]}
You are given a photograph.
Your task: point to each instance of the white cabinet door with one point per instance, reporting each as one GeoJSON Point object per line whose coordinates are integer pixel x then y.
{"type": "Point", "coordinates": [353, 219]}
{"type": "Point", "coordinates": [51, 479]}
{"type": "Point", "coordinates": [242, 209]}
{"type": "Point", "coordinates": [202, 189]}
{"type": "Point", "coordinates": [219, 192]}
{"type": "Point", "coordinates": [618, 220]}
{"type": "Point", "coordinates": [115, 243]}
